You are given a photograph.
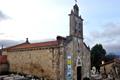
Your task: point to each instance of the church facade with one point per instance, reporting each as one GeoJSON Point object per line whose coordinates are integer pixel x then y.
{"type": "Point", "coordinates": [66, 58]}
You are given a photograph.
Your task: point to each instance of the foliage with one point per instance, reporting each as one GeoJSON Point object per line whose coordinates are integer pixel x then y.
{"type": "Point", "coordinates": [97, 55]}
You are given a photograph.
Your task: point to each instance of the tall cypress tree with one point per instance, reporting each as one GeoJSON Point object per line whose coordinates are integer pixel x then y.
{"type": "Point", "coordinates": [97, 55]}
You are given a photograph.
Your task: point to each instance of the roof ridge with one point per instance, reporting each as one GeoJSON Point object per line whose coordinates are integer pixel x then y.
{"type": "Point", "coordinates": [16, 45]}
{"type": "Point", "coordinates": [32, 45]}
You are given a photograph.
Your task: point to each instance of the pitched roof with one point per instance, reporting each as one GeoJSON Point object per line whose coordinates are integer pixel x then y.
{"type": "Point", "coordinates": [33, 45]}
{"type": "Point", "coordinates": [28, 45]}
{"type": "Point", "coordinates": [117, 60]}
{"type": "Point", "coordinates": [41, 44]}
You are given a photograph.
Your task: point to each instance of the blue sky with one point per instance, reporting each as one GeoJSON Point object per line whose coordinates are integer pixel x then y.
{"type": "Point", "coordinates": [45, 19]}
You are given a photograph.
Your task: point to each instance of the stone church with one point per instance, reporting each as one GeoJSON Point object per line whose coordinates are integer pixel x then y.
{"type": "Point", "coordinates": [66, 58]}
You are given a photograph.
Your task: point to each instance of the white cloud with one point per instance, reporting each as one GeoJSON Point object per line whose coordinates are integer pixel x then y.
{"type": "Point", "coordinates": [43, 19]}
{"type": "Point", "coordinates": [109, 37]}
{"type": "Point", "coordinates": [33, 18]}
{"type": "Point", "coordinates": [3, 16]}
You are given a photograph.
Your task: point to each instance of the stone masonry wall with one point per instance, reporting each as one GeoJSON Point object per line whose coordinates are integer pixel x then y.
{"type": "Point", "coordinates": [86, 62]}
{"type": "Point", "coordinates": [78, 48]}
{"type": "Point", "coordinates": [41, 63]}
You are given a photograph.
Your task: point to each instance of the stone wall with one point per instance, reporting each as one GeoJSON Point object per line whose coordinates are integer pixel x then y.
{"type": "Point", "coordinates": [80, 54]}
{"type": "Point", "coordinates": [107, 68]}
{"type": "Point", "coordinates": [86, 62]}
{"type": "Point", "coordinates": [50, 62]}
{"type": "Point", "coordinates": [41, 62]}
{"type": "Point", "coordinates": [4, 68]}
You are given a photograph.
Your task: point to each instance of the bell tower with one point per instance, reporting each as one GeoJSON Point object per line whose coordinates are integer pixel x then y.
{"type": "Point", "coordinates": [77, 55]}
{"type": "Point", "coordinates": [76, 23]}
{"type": "Point", "coordinates": [76, 32]}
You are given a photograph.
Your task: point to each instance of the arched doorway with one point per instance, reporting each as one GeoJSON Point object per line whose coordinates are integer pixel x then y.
{"type": "Point", "coordinates": [78, 72]}
{"type": "Point", "coordinates": [79, 66]}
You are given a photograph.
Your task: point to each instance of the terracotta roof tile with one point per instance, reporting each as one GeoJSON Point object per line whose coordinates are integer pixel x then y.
{"type": "Point", "coordinates": [33, 45]}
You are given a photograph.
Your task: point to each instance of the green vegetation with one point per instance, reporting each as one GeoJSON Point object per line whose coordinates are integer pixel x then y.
{"type": "Point", "coordinates": [97, 55]}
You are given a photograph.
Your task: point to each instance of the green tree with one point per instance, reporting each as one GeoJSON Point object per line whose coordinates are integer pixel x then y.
{"type": "Point", "coordinates": [97, 55]}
